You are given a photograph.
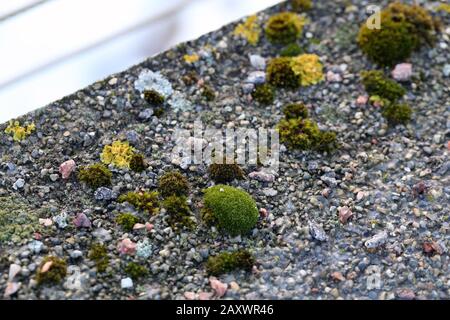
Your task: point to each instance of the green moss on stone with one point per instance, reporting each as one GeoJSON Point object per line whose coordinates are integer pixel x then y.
{"type": "Point", "coordinates": [136, 271]}
{"type": "Point", "coordinates": [229, 261]}
{"type": "Point", "coordinates": [55, 273]}
{"type": "Point", "coordinates": [280, 74]}
{"type": "Point", "coordinates": [301, 5]}
{"type": "Point", "coordinates": [179, 212]}
{"type": "Point", "coordinates": [173, 183]}
{"type": "Point", "coordinates": [377, 84]}
{"type": "Point", "coordinates": [127, 221]}
{"type": "Point", "coordinates": [99, 254]}
{"type": "Point", "coordinates": [397, 113]}
{"type": "Point", "coordinates": [208, 93]}
{"type": "Point", "coordinates": [291, 50]}
{"type": "Point", "coordinates": [233, 209]}
{"type": "Point", "coordinates": [224, 172]}
{"type": "Point", "coordinates": [142, 200]}
{"type": "Point", "coordinates": [153, 97]}
{"type": "Point", "coordinates": [264, 94]}
{"type": "Point", "coordinates": [95, 175]}
{"type": "Point", "coordinates": [295, 110]}
{"type": "Point", "coordinates": [137, 162]}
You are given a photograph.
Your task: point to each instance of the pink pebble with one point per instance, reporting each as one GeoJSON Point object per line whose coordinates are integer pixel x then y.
{"type": "Point", "coordinates": [402, 72]}
{"type": "Point", "coordinates": [344, 214]}
{"type": "Point", "coordinates": [126, 246]}
{"type": "Point", "coordinates": [362, 100]}
{"type": "Point", "coordinates": [205, 295]}
{"type": "Point", "coordinates": [148, 226]}
{"type": "Point", "coordinates": [138, 226]}
{"type": "Point", "coordinates": [219, 288]}
{"type": "Point", "coordinates": [82, 221]}
{"type": "Point", "coordinates": [11, 288]}
{"type": "Point", "coordinates": [189, 295]}
{"type": "Point", "coordinates": [263, 213]}
{"type": "Point", "coordinates": [66, 168]}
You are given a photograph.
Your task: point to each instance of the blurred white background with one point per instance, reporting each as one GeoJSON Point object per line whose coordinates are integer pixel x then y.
{"type": "Point", "coordinates": [51, 48]}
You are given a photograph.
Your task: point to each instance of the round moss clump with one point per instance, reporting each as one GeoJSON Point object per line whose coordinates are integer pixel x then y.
{"type": "Point", "coordinates": [153, 97]}
{"type": "Point", "coordinates": [404, 28]}
{"type": "Point", "coordinates": [295, 110]}
{"type": "Point", "coordinates": [376, 83]}
{"type": "Point", "coordinates": [51, 270]}
{"type": "Point", "coordinates": [284, 27]}
{"type": "Point", "coordinates": [234, 210]}
{"type": "Point", "coordinates": [230, 261]}
{"type": "Point", "coordinates": [224, 172]}
{"type": "Point", "coordinates": [397, 113]}
{"type": "Point", "coordinates": [280, 74]}
{"type": "Point", "coordinates": [173, 183]}
{"type": "Point", "coordinates": [264, 94]}
{"type": "Point", "coordinates": [95, 176]}
{"type": "Point", "coordinates": [137, 163]}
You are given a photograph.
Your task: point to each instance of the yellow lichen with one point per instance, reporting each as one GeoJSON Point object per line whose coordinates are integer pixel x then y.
{"type": "Point", "coordinates": [249, 30]}
{"type": "Point", "coordinates": [118, 153]}
{"type": "Point", "coordinates": [309, 68]}
{"type": "Point", "coordinates": [443, 7]}
{"type": "Point", "coordinates": [191, 58]}
{"type": "Point", "coordinates": [19, 132]}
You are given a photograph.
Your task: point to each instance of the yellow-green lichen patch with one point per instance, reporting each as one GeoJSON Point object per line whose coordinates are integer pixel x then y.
{"type": "Point", "coordinates": [249, 30]}
{"type": "Point", "coordinates": [19, 132]}
{"type": "Point", "coordinates": [191, 58]}
{"type": "Point", "coordinates": [118, 153]}
{"type": "Point", "coordinates": [309, 68]}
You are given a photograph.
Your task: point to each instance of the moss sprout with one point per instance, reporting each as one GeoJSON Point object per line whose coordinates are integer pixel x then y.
{"type": "Point", "coordinates": [135, 270]}
{"type": "Point", "coordinates": [145, 201]}
{"type": "Point", "coordinates": [118, 153]}
{"type": "Point", "coordinates": [153, 97]}
{"type": "Point", "coordinates": [95, 176]}
{"type": "Point", "coordinates": [51, 270]}
{"type": "Point", "coordinates": [397, 113]}
{"type": "Point", "coordinates": [404, 28]}
{"type": "Point", "coordinates": [309, 68]}
{"type": "Point", "coordinates": [376, 83]}
{"type": "Point", "coordinates": [225, 172]}
{"type": "Point", "coordinates": [295, 110]}
{"type": "Point", "coordinates": [301, 5]}
{"type": "Point", "coordinates": [264, 94]}
{"type": "Point", "coordinates": [179, 212]}
{"type": "Point", "coordinates": [291, 50]}
{"type": "Point", "coordinates": [19, 132]}
{"type": "Point", "coordinates": [173, 183]}
{"type": "Point", "coordinates": [208, 93]}
{"type": "Point", "coordinates": [229, 261]}
{"type": "Point", "coordinates": [249, 30]}
{"type": "Point", "coordinates": [127, 221]}
{"type": "Point", "coordinates": [137, 162]}
{"type": "Point", "coordinates": [99, 254]}
{"type": "Point", "coordinates": [284, 27]}
{"type": "Point", "coordinates": [280, 74]}
{"type": "Point", "coordinates": [234, 210]}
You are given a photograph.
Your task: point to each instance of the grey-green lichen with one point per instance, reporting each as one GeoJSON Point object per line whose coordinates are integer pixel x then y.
{"type": "Point", "coordinates": [17, 219]}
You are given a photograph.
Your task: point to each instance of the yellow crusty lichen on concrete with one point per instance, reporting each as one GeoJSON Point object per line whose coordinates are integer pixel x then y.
{"type": "Point", "coordinates": [19, 132]}
{"type": "Point", "coordinates": [309, 68]}
{"type": "Point", "coordinates": [191, 58]}
{"type": "Point", "coordinates": [249, 30]}
{"type": "Point", "coordinates": [443, 7]}
{"type": "Point", "coordinates": [118, 153]}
